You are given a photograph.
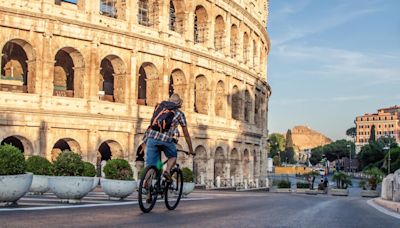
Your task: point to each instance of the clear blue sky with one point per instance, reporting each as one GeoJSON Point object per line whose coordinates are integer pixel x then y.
{"type": "Point", "coordinates": [330, 61]}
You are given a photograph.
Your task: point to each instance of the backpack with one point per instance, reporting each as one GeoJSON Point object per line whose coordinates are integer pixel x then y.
{"type": "Point", "coordinates": [163, 115]}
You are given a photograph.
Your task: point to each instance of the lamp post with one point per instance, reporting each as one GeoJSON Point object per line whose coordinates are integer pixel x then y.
{"type": "Point", "coordinates": [388, 149]}
{"type": "Point", "coordinates": [349, 146]}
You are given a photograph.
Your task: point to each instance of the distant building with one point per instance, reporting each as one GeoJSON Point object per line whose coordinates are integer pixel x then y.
{"type": "Point", "coordinates": [386, 123]}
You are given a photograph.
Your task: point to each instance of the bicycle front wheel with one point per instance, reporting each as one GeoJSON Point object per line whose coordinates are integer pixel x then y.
{"type": "Point", "coordinates": [173, 190]}
{"type": "Point", "coordinates": [147, 194]}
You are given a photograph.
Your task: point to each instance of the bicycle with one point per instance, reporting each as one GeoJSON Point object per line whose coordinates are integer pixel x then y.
{"type": "Point", "coordinates": [157, 185]}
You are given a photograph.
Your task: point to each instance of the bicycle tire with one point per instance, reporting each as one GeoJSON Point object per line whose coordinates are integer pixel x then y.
{"type": "Point", "coordinates": [172, 190]}
{"type": "Point", "coordinates": [144, 206]}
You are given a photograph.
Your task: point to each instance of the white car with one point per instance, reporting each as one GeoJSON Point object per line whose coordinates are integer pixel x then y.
{"type": "Point", "coordinates": [321, 172]}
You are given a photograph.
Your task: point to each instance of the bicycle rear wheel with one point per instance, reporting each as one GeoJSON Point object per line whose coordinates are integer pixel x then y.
{"type": "Point", "coordinates": [147, 194]}
{"type": "Point", "coordinates": [173, 190]}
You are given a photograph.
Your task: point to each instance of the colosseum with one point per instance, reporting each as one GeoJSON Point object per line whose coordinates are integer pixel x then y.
{"type": "Point", "coordinates": [85, 75]}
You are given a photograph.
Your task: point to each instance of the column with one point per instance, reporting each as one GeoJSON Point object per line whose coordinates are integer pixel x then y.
{"type": "Point", "coordinates": [227, 38]}
{"type": "Point", "coordinates": [132, 84]}
{"type": "Point", "coordinates": [47, 67]}
{"type": "Point", "coordinates": [165, 79]}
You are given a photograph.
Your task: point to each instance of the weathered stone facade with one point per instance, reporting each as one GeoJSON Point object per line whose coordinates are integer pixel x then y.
{"type": "Point", "coordinates": [86, 77]}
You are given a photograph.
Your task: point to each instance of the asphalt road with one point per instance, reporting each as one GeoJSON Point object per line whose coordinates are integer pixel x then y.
{"type": "Point", "coordinates": [218, 210]}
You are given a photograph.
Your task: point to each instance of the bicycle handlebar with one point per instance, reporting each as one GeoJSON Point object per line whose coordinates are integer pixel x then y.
{"type": "Point", "coordinates": [186, 152]}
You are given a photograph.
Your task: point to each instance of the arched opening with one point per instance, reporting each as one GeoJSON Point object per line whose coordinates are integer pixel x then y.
{"type": "Point", "coordinates": [14, 141]}
{"type": "Point", "coordinates": [219, 33]}
{"type": "Point", "coordinates": [220, 99]}
{"type": "Point", "coordinates": [148, 85]}
{"type": "Point", "coordinates": [148, 13]}
{"type": "Point", "coordinates": [17, 67]}
{"type": "Point", "coordinates": [200, 165]}
{"type": "Point", "coordinates": [219, 166]}
{"type": "Point", "coordinates": [246, 164]}
{"type": "Point", "coordinates": [68, 73]}
{"type": "Point", "coordinates": [247, 106]}
{"type": "Point", "coordinates": [65, 144]}
{"type": "Point", "coordinates": [246, 48]}
{"type": "Point", "coordinates": [234, 41]}
{"type": "Point", "coordinates": [108, 150]}
{"type": "Point", "coordinates": [201, 95]}
{"type": "Point", "coordinates": [257, 110]}
{"type": "Point", "coordinates": [176, 15]}
{"type": "Point", "coordinates": [112, 81]}
{"type": "Point", "coordinates": [236, 103]}
{"type": "Point", "coordinates": [177, 83]}
{"type": "Point", "coordinates": [200, 25]}
{"type": "Point", "coordinates": [234, 165]}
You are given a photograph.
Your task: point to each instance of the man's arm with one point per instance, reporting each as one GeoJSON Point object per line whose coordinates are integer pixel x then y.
{"type": "Point", "coordinates": [188, 139]}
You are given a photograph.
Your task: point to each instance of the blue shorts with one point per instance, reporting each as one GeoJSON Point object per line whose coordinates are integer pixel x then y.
{"type": "Point", "coordinates": [154, 148]}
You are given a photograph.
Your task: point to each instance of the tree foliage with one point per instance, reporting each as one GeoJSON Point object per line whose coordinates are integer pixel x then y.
{"type": "Point", "coordinates": [371, 155]}
{"type": "Point", "coordinates": [372, 137]}
{"type": "Point", "coordinates": [351, 132]}
{"type": "Point", "coordinates": [332, 151]}
{"type": "Point", "coordinates": [277, 144]}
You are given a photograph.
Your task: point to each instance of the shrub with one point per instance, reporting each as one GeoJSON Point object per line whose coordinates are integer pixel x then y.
{"type": "Point", "coordinates": [283, 184]}
{"type": "Point", "coordinates": [187, 175]}
{"type": "Point", "coordinates": [362, 184]}
{"type": "Point", "coordinates": [88, 169]}
{"type": "Point", "coordinates": [302, 185]}
{"type": "Point", "coordinates": [118, 169]}
{"type": "Point", "coordinates": [12, 161]}
{"type": "Point", "coordinates": [375, 177]}
{"type": "Point", "coordinates": [342, 180]}
{"type": "Point", "coordinates": [38, 165]}
{"type": "Point", "coordinates": [68, 163]}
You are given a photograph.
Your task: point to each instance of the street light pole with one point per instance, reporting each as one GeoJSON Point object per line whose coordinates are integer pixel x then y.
{"type": "Point", "coordinates": [349, 146]}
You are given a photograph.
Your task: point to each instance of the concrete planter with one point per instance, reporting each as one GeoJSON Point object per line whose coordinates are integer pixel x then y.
{"type": "Point", "coordinates": [118, 188]}
{"type": "Point", "coordinates": [283, 190]}
{"type": "Point", "coordinates": [95, 182]}
{"type": "Point", "coordinates": [188, 187]}
{"type": "Point", "coordinates": [40, 184]}
{"type": "Point", "coordinates": [313, 192]}
{"type": "Point", "coordinates": [13, 187]}
{"type": "Point", "coordinates": [339, 192]}
{"type": "Point", "coordinates": [70, 189]}
{"type": "Point", "coordinates": [369, 193]}
{"type": "Point", "coordinates": [301, 190]}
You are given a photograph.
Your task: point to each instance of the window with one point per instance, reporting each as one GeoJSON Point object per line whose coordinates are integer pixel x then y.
{"type": "Point", "coordinates": [143, 15]}
{"type": "Point", "coordinates": [246, 48]}
{"type": "Point", "coordinates": [234, 41]}
{"type": "Point", "coordinates": [219, 33]}
{"type": "Point", "coordinates": [200, 25]}
{"type": "Point", "coordinates": [58, 2]}
{"type": "Point", "coordinates": [107, 8]}
{"type": "Point", "coordinates": [172, 16]}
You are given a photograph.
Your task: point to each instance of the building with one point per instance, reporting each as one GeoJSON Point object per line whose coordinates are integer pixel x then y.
{"type": "Point", "coordinates": [386, 122]}
{"type": "Point", "coordinates": [86, 75]}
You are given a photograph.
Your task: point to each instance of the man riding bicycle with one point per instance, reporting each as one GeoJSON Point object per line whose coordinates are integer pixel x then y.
{"type": "Point", "coordinates": [163, 132]}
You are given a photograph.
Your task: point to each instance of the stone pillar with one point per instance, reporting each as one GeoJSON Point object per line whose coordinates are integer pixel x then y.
{"type": "Point", "coordinates": [132, 85]}
{"type": "Point", "coordinates": [132, 12]}
{"type": "Point", "coordinates": [47, 67]}
{"type": "Point", "coordinates": [189, 26]}
{"type": "Point", "coordinates": [94, 72]}
{"type": "Point", "coordinates": [164, 95]}
{"type": "Point", "coordinates": [92, 151]}
{"type": "Point", "coordinates": [227, 38]}
{"type": "Point", "coordinates": [163, 17]}
{"type": "Point", "coordinates": [211, 28]}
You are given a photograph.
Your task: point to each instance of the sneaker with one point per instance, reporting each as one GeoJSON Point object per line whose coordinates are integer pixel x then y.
{"type": "Point", "coordinates": [168, 177]}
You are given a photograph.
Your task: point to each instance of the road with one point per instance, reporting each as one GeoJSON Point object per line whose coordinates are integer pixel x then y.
{"type": "Point", "coordinates": [217, 209]}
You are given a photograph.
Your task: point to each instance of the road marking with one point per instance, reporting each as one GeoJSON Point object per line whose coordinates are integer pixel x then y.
{"type": "Point", "coordinates": [382, 209]}
{"type": "Point", "coordinates": [88, 205]}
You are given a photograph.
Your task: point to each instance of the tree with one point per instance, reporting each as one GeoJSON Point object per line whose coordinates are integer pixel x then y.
{"type": "Point", "coordinates": [289, 150]}
{"type": "Point", "coordinates": [351, 132]}
{"type": "Point", "coordinates": [371, 155]}
{"type": "Point", "coordinates": [316, 155]}
{"type": "Point", "coordinates": [372, 137]}
{"type": "Point", "coordinates": [277, 144]}
{"type": "Point", "coordinates": [276, 161]}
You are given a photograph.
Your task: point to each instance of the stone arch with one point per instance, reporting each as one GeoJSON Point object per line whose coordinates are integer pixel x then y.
{"type": "Point", "coordinates": [110, 149]}
{"type": "Point", "coordinates": [219, 33]}
{"type": "Point", "coordinates": [200, 25]}
{"type": "Point", "coordinates": [200, 165]}
{"type": "Point", "coordinates": [65, 144]}
{"type": "Point", "coordinates": [20, 142]}
{"type": "Point", "coordinates": [69, 69]}
{"type": "Point", "coordinates": [257, 109]}
{"type": "Point", "coordinates": [246, 164]}
{"type": "Point", "coordinates": [220, 99]}
{"type": "Point", "coordinates": [219, 164]}
{"type": "Point", "coordinates": [247, 106]}
{"type": "Point", "coordinates": [148, 84]}
{"type": "Point", "coordinates": [112, 79]}
{"type": "Point", "coordinates": [177, 83]}
{"type": "Point", "coordinates": [236, 103]}
{"type": "Point", "coordinates": [18, 67]}
{"type": "Point", "coordinates": [234, 41]}
{"type": "Point", "coordinates": [201, 95]}
{"type": "Point", "coordinates": [246, 48]}
{"type": "Point", "coordinates": [177, 15]}
{"type": "Point", "coordinates": [235, 164]}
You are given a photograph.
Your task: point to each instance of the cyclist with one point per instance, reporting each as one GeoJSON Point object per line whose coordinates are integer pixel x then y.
{"type": "Point", "coordinates": [163, 132]}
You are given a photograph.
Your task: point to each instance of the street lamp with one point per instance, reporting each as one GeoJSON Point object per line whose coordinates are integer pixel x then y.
{"type": "Point", "coordinates": [349, 146]}
{"type": "Point", "coordinates": [388, 149]}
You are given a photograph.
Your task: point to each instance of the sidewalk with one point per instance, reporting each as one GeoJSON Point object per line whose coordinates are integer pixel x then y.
{"type": "Point", "coordinates": [390, 205]}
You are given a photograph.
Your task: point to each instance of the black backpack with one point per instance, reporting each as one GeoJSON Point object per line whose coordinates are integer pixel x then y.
{"type": "Point", "coordinates": [163, 115]}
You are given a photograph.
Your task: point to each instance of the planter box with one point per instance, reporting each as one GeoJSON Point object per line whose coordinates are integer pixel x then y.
{"type": "Point", "coordinates": [301, 190]}
{"type": "Point", "coordinates": [118, 188]}
{"type": "Point", "coordinates": [187, 188]}
{"type": "Point", "coordinates": [283, 190]}
{"type": "Point", "coordinates": [40, 184]}
{"type": "Point", "coordinates": [95, 182]}
{"type": "Point", "coordinates": [313, 192]}
{"type": "Point", "coordinates": [369, 193]}
{"type": "Point", "coordinates": [70, 189]}
{"type": "Point", "coordinates": [339, 192]}
{"type": "Point", "coordinates": [13, 187]}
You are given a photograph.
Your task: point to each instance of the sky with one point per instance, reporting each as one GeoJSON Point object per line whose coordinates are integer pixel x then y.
{"type": "Point", "coordinates": [330, 61]}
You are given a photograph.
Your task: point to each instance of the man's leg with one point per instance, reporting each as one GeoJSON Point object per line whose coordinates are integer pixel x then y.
{"type": "Point", "coordinates": [170, 164]}
{"type": "Point", "coordinates": [170, 152]}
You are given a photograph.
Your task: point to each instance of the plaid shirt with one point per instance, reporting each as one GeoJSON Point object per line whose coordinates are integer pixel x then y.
{"type": "Point", "coordinates": [179, 119]}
